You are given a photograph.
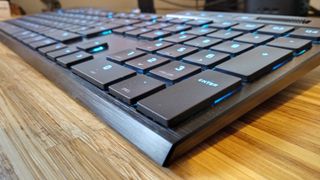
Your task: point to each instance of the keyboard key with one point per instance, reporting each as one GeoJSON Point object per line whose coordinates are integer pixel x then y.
{"type": "Point", "coordinates": [160, 25]}
{"type": "Point", "coordinates": [136, 88]}
{"type": "Point", "coordinates": [125, 55]}
{"type": "Point", "coordinates": [234, 48]}
{"type": "Point", "coordinates": [275, 29]}
{"type": "Point", "coordinates": [222, 25]}
{"type": "Point", "coordinates": [147, 62]}
{"type": "Point", "coordinates": [178, 102]}
{"type": "Point", "coordinates": [177, 28]}
{"type": "Point", "coordinates": [175, 71]}
{"type": "Point", "coordinates": [179, 38]}
{"type": "Point", "coordinates": [137, 32]}
{"type": "Point", "coordinates": [307, 33]}
{"type": "Point", "coordinates": [42, 43]}
{"type": "Point", "coordinates": [52, 48]}
{"type": "Point", "coordinates": [72, 59]}
{"type": "Point", "coordinates": [99, 29]}
{"type": "Point", "coordinates": [177, 51]}
{"type": "Point", "coordinates": [225, 34]}
{"type": "Point", "coordinates": [180, 20]}
{"type": "Point", "coordinates": [101, 72]}
{"type": "Point", "coordinates": [247, 27]}
{"type": "Point", "coordinates": [64, 36]}
{"type": "Point", "coordinates": [34, 39]}
{"type": "Point", "coordinates": [207, 58]}
{"type": "Point", "coordinates": [156, 34]}
{"type": "Point", "coordinates": [91, 45]}
{"type": "Point", "coordinates": [256, 39]}
{"type": "Point", "coordinates": [203, 42]}
{"type": "Point", "coordinates": [144, 24]}
{"type": "Point", "coordinates": [200, 31]}
{"type": "Point", "coordinates": [124, 29]}
{"type": "Point", "coordinates": [153, 46]}
{"type": "Point", "coordinates": [294, 44]}
{"type": "Point", "coordinates": [61, 52]}
{"type": "Point", "coordinates": [199, 22]}
{"type": "Point", "coordinates": [255, 63]}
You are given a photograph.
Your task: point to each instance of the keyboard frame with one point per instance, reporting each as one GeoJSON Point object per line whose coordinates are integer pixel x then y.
{"type": "Point", "coordinates": [161, 144]}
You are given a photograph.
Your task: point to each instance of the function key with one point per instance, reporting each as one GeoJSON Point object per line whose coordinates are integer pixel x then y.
{"type": "Point", "coordinates": [200, 31]}
{"type": "Point", "coordinates": [253, 38]}
{"type": "Point", "coordinates": [101, 72]}
{"type": "Point", "coordinates": [206, 58]}
{"type": "Point", "coordinates": [295, 44]}
{"type": "Point", "coordinates": [125, 55]}
{"type": "Point", "coordinates": [223, 25]}
{"type": "Point", "coordinates": [153, 46]}
{"type": "Point", "coordinates": [72, 59]}
{"type": "Point", "coordinates": [177, 51]}
{"type": "Point", "coordinates": [253, 64]}
{"type": "Point", "coordinates": [147, 62]}
{"type": "Point", "coordinates": [234, 48]}
{"type": "Point", "coordinates": [225, 34]}
{"type": "Point", "coordinates": [136, 88]}
{"type": "Point", "coordinates": [177, 28]}
{"type": "Point", "coordinates": [156, 34]}
{"type": "Point", "coordinates": [307, 33]}
{"type": "Point", "coordinates": [203, 42]}
{"type": "Point", "coordinates": [248, 27]}
{"type": "Point", "coordinates": [275, 29]}
{"type": "Point", "coordinates": [175, 71]}
{"type": "Point", "coordinates": [198, 22]}
{"type": "Point", "coordinates": [51, 48]}
{"type": "Point", "coordinates": [179, 38]}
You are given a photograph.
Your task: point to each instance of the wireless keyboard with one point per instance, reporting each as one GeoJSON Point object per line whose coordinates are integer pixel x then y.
{"type": "Point", "coordinates": [166, 83]}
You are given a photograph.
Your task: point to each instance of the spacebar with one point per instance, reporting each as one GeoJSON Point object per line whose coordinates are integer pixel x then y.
{"type": "Point", "coordinates": [176, 103]}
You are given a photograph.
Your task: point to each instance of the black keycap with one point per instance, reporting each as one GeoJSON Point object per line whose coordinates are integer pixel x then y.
{"type": "Point", "coordinates": [124, 29]}
{"type": "Point", "coordinates": [307, 33]}
{"type": "Point", "coordinates": [153, 46]}
{"type": "Point", "coordinates": [144, 24]}
{"type": "Point", "coordinates": [175, 71]}
{"type": "Point", "coordinates": [51, 48]}
{"type": "Point", "coordinates": [253, 38]}
{"type": "Point", "coordinates": [72, 59]}
{"type": "Point", "coordinates": [160, 25]}
{"type": "Point", "coordinates": [99, 30]}
{"type": "Point", "coordinates": [203, 42]}
{"type": "Point", "coordinates": [156, 34]}
{"type": "Point", "coordinates": [200, 31]}
{"type": "Point", "coordinates": [61, 52]}
{"type": "Point", "coordinates": [124, 21]}
{"type": "Point", "coordinates": [207, 58]}
{"type": "Point", "coordinates": [225, 34]}
{"type": "Point", "coordinates": [255, 63]}
{"type": "Point", "coordinates": [125, 55]}
{"type": "Point", "coordinates": [232, 47]}
{"type": "Point", "coordinates": [137, 32]}
{"type": "Point", "coordinates": [30, 35]}
{"type": "Point", "coordinates": [147, 62]}
{"type": "Point", "coordinates": [222, 25]}
{"type": "Point", "coordinates": [101, 72]}
{"type": "Point", "coordinates": [275, 29]}
{"type": "Point", "coordinates": [34, 39]}
{"type": "Point", "coordinates": [64, 36]}
{"type": "Point", "coordinates": [93, 45]}
{"type": "Point", "coordinates": [180, 20]}
{"type": "Point", "coordinates": [42, 43]}
{"type": "Point", "coordinates": [177, 28]}
{"type": "Point", "coordinates": [177, 51]}
{"type": "Point", "coordinates": [179, 38]}
{"type": "Point", "coordinates": [199, 22]}
{"type": "Point", "coordinates": [136, 88]}
{"type": "Point", "coordinates": [247, 27]}
{"type": "Point", "coordinates": [176, 103]}
{"type": "Point", "coordinates": [294, 44]}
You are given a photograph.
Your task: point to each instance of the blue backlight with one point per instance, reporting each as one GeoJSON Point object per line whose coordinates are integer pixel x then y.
{"type": "Point", "coordinates": [300, 53]}
{"type": "Point", "coordinates": [278, 65]}
{"type": "Point", "coordinates": [222, 98]}
{"type": "Point", "coordinates": [97, 49]}
{"type": "Point", "coordinates": [106, 32]}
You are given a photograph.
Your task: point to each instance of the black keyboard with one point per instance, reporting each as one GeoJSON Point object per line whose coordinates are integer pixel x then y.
{"type": "Point", "coordinates": [166, 83]}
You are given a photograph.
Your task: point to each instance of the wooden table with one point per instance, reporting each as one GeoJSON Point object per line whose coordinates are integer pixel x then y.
{"type": "Point", "coordinates": [44, 134]}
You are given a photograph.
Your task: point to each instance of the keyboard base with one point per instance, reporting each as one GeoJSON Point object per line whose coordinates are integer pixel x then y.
{"type": "Point", "coordinates": [161, 144]}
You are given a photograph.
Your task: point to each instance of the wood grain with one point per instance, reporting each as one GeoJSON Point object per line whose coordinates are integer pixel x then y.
{"type": "Point", "coordinates": [44, 134]}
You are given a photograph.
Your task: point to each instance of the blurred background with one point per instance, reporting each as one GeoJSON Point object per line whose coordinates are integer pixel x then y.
{"type": "Point", "coordinates": [161, 6]}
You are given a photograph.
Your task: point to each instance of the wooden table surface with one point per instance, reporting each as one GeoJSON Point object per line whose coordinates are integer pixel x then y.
{"type": "Point", "coordinates": [44, 134]}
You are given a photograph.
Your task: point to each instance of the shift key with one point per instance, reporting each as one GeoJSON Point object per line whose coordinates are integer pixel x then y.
{"type": "Point", "coordinates": [174, 104]}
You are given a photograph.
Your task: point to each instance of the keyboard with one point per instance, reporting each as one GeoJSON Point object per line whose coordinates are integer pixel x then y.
{"type": "Point", "coordinates": [166, 82]}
